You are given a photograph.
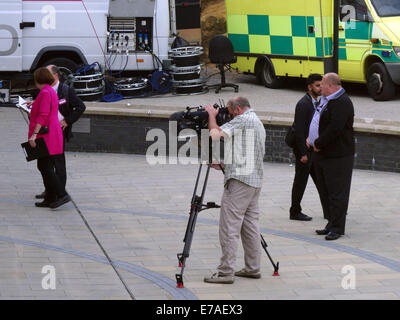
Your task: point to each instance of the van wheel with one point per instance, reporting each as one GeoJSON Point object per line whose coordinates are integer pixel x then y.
{"type": "Point", "coordinates": [379, 83]}
{"type": "Point", "coordinates": [267, 76]}
{"type": "Point", "coordinates": [66, 66]}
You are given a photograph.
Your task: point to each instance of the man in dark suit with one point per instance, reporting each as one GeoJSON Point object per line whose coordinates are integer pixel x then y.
{"type": "Point", "coordinates": [70, 110]}
{"type": "Point", "coordinates": [304, 156]}
{"type": "Point", "coordinates": [332, 137]}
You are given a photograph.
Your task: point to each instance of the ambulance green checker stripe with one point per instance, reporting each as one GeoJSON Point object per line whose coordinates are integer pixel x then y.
{"type": "Point", "coordinates": [362, 31]}
{"type": "Point", "coordinates": [280, 35]}
{"type": "Point", "coordinates": [393, 57]}
{"type": "Point", "coordinates": [354, 30]}
{"type": "Point", "coordinates": [289, 35]}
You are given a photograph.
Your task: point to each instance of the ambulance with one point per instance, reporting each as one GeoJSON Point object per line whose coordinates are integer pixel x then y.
{"type": "Point", "coordinates": [118, 34]}
{"type": "Point", "coordinates": [359, 39]}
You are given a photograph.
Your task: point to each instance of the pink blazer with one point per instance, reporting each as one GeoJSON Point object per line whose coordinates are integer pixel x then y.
{"type": "Point", "coordinates": [45, 111]}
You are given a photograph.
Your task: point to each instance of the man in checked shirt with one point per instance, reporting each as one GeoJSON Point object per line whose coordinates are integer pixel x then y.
{"type": "Point", "coordinates": [243, 166]}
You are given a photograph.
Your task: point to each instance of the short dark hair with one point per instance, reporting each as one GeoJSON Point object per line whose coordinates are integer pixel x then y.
{"type": "Point", "coordinates": [314, 77]}
{"type": "Point", "coordinates": [43, 76]}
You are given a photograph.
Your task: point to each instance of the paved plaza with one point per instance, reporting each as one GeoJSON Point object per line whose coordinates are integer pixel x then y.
{"type": "Point", "coordinates": [139, 214]}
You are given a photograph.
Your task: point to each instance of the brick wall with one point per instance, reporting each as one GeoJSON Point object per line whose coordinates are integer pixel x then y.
{"type": "Point", "coordinates": [120, 134]}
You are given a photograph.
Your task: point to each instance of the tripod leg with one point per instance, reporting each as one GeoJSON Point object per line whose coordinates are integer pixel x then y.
{"type": "Point", "coordinates": [276, 266]}
{"type": "Point", "coordinates": [196, 206]}
{"type": "Point", "coordinates": [179, 279]}
{"type": "Point", "coordinates": [188, 243]}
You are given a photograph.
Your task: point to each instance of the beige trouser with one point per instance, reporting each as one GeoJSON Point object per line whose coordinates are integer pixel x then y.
{"type": "Point", "coordinates": [239, 216]}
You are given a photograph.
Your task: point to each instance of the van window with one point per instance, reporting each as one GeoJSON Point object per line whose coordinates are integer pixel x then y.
{"type": "Point", "coordinates": [361, 9]}
{"type": "Point", "coordinates": [387, 8]}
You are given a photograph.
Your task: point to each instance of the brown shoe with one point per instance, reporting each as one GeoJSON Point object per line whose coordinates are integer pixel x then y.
{"type": "Point", "coordinates": [220, 278]}
{"type": "Point", "coordinates": [248, 274]}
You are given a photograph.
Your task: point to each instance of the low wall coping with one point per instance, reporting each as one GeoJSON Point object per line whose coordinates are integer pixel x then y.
{"type": "Point", "coordinates": [126, 109]}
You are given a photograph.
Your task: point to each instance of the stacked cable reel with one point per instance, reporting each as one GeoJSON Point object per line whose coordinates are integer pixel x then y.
{"type": "Point", "coordinates": [186, 70]}
{"type": "Point", "coordinates": [88, 82]}
{"type": "Point", "coordinates": [131, 87]}
{"type": "Point", "coordinates": [158, 83]}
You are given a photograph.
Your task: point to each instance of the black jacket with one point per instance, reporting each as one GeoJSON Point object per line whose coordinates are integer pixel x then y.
{"type": "Point", "coordinates": [336, 134]}
{"type": "Point", "coordinates": [70, 106]}
{"type": "Point", "coordinates": [302, 119]}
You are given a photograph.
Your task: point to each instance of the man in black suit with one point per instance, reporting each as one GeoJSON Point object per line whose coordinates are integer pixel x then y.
{"type": "Point", "coordinates": [304, 155]}
{"type": "Point", "coordinates": [332, 137]}
{"type": "Point", "coordinates": [70, 110]}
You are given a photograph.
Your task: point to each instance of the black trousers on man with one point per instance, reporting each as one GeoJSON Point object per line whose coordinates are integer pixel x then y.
{"type": "Point", "coordinates": [334, 175]}
{"type": "Point", "coordinates": [53, 187]}
{"type": "Point", "coordinates": [302, 172]}
{"type": "Point", "coordinates": [60, 166]}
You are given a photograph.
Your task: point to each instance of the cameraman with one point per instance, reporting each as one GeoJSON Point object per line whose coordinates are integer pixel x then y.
{"type": "Point", "coordinates": [242, 185]}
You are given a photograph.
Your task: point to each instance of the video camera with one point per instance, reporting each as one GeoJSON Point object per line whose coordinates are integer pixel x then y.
{"type": "Point", "coordinates": [196, 118]}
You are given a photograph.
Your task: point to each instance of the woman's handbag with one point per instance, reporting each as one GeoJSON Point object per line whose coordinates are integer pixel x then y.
{"type": "Point", "coordinates": [40, 151]}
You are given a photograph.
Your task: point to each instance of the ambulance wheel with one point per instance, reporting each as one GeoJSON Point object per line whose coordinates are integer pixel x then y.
{"type": "Point", "coordinates": [379, 83]}
{"type": "Point", "coordinates": [268, 78]}
{"type": "Point", "coordinates": [67, 66]}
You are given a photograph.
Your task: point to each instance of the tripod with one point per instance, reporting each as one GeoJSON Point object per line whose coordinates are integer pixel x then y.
{"type": "Point", "coordinates": [195, 207]}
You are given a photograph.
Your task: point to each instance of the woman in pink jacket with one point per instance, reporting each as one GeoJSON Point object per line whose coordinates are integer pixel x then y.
{"type": "Point", "coordinates": [44, 113]}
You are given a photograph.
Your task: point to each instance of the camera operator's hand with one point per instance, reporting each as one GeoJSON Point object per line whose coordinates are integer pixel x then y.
{"type": "Point", "coordinates": [212, 112]}
{"type": "Point", "coordinates": [215, 131]}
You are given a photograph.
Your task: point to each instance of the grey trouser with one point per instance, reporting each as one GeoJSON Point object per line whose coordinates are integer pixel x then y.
{"type": "Point", "coordinates": [239, 216]}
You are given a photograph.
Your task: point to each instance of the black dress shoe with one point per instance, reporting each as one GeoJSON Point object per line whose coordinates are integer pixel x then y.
{"type": "Point", "coordinates": [43, 204]}
{"type": "Point", "coordinates": [332, 236]}
{"type": "Point", "coordinates": [300, 216]}
{"type": "Point", "coordinates": [60, 201]}
{"type": "Point", "coordinates": [322, 232]}
{"type": "Point", "coordinates": [41, 196]}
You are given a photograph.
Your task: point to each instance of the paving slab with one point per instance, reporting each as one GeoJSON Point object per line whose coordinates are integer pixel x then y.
{"type": "Point", "coordinates": [139, 214]}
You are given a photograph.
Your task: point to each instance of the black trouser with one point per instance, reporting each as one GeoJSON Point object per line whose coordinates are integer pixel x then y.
{"type": "Point", "coordinates": [334, 175]}
{"type": "Point", "coordinates": [54, 187]}
{"type": "Point", "coordinates": [302, 171]}
{"type": "Point", "coordinates": [60, 167]}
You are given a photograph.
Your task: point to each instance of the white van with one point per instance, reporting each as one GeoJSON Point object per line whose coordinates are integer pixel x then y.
{"type": "Point", "coordinates": [119, 34]}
